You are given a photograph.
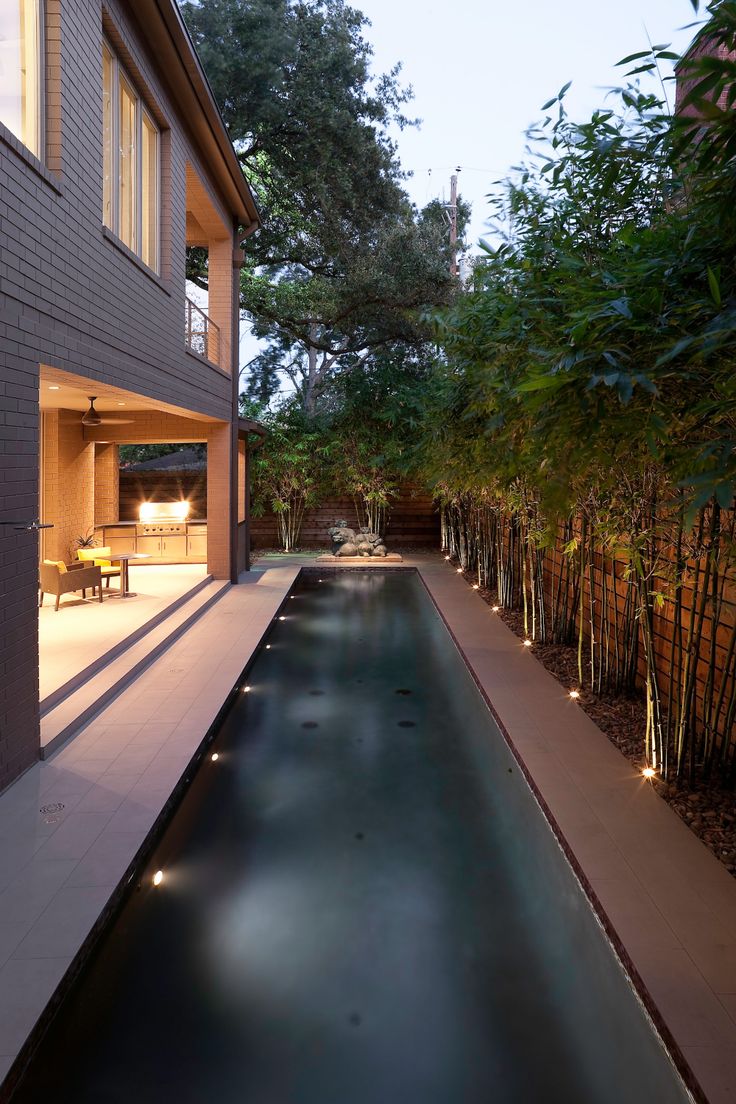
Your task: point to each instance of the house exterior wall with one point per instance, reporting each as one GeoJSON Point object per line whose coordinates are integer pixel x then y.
{"type": "Point", "coordinates": [74, 298]}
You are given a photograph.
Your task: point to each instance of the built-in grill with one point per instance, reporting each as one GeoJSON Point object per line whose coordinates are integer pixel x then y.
{"type": "Point", "coordinates": [162, 519]}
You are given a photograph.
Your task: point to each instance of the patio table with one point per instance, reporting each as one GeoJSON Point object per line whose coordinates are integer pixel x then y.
{"type": "Point", "coordinates": [123, 558]}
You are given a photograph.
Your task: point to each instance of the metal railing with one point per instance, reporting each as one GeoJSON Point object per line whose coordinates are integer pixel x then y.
{"type": "Point", "coordinates": [202, 334]}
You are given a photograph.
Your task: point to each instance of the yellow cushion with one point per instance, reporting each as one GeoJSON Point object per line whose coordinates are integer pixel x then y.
{"type": "Point", "coordinates": [57, 563]}
{"type": "Point", "coordinates": [94, 555]}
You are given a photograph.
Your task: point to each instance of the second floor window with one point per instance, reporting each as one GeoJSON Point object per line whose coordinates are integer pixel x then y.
{"type": "Point", "coordinates": [20, 70]}
{"type": "Point", "coordinates": [130, 169]}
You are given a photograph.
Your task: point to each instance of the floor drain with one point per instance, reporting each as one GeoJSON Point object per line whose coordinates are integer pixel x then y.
{"type": "Point", "coordinates": [359, 836]}
{"type": "Point", "coordinates": [403, 692]}
{"type": "Point", "coordinates": [310, 724]}
{"type": "Point", "coordinates": [50, 810]}
{"type": "Point", "coordinates": [407, 724]}
{"type": "Point", "coordinates": [316, 693]}
{"type": "Point", "coordinates": [355, 1019]}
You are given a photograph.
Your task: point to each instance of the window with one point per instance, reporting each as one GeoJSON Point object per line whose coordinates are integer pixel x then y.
{"type": "Point", "coordinates": [20, 70]}
{"type": "Point", "coordinates": [130, 163]}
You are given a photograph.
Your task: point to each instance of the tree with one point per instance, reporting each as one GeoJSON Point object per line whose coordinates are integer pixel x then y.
{"type": "Point", "coordinates": [343, 264]}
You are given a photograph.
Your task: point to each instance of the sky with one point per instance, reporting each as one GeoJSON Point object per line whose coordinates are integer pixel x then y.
{"type": "Point", "coordinates": [481, 70]}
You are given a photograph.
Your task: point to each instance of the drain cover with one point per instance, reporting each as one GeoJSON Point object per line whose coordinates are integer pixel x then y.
{"type": "Point", "coordinates": [310, 724]}
{"type": "Point", "coordinates": [403, 692]}
{"type": "Point", "coordinates": [407, 724]}
{"type": "Point", "coordinates": [316, 693]}
{"type": "Point", "coordinates": [49, 810]}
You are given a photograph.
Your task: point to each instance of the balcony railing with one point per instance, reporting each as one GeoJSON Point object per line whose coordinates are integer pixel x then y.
{"type": "Point", "coordinates": [202, 334]}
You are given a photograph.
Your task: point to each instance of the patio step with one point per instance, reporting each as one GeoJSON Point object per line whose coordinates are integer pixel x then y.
{"type": "Point", "coordinates": [65, 712]}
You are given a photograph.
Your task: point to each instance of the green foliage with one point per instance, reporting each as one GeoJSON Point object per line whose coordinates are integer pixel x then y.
{"type": "Point", "coordinates": [343, 263]}
{"type": "Point", "coordinates": [289, 470]}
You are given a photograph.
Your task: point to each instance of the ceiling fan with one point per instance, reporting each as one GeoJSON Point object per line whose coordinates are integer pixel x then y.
{"type": "Point", "coordinates": [92, 417]}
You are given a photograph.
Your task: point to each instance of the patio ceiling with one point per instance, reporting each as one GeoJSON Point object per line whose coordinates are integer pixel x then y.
{"type": "Point", "coordinates": [65, 391]}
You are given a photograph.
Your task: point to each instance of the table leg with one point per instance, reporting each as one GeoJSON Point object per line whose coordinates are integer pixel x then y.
{"type": "Point", "coordinates": [124, 593]}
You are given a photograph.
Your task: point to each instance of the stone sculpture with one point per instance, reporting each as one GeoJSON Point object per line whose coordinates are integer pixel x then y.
{"type": "Point", "coordinates": [348, 542]}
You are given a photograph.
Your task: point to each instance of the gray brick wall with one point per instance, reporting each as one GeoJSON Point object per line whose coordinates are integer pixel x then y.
{"type": "Point", "coordinates": [72, 298]}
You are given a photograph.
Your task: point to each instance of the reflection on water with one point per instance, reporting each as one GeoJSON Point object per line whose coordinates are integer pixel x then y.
{"type": "Point", "coordinates": [362, 903]}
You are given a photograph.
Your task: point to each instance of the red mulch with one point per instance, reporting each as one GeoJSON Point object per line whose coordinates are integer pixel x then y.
{"type": "Point", "coordinates": [708, 809]}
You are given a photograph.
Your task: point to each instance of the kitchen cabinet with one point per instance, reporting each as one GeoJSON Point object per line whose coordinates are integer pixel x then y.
{"type": "Point", "coordinates": [159, 547]}
{"type": "Point", "coordinates": [197, 543]}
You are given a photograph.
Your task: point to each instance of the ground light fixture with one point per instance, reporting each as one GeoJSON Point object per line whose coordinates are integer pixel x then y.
{"type": "Point", "coordinates": [268, 647]}
{"type": "Point", "coordinates": [649, 772]}
{"type": "Point", "coordinates": [459, 570]}
{"type": "Point", "coordinates": [246, 689]}
{"type": "Point", "coordinates": [527, 643]}
{"type": "Point", "coordinates": [282, 618]}
{"type": "Point", "coordinates": [447, 557]}
{"type": "Point", "coordinates": [574, 694]}
{"type": "Point", "coordinates": [476, 586]}
{"type": "Point", "coordinates": [158, 877]}
{"type": "Point", "coordinates": [215, 756]}
{"type": "Point", "coordinates": [495, 609]}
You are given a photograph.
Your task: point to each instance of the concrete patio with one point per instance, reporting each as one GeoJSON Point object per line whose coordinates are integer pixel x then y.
{"type": "Point", "coordinates": [74, 824]}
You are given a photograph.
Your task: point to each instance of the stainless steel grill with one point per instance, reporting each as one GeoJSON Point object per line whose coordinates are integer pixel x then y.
{"type": "Point", "coordinates": [162, 518]}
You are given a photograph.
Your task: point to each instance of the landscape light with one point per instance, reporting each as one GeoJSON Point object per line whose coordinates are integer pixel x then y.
{"type": "Point", "coordinates": [158, 877]}
{"type": "Point", "coordinates": [649, 772]}
{"type": "Point", "coordinates": [268, 646]}
{"type": "Point", "coordinates": [447, 557]}
{"type": "Point", "coordinates": [215, 756]}
{"type": "Point", "coordinates": [459, 571]}
{"type": "Point", "coordinates": [574, 694]}
{"type": "Point", "coordinates": [282, 618]}
{"type": "Point", "coordinates": [527, 643]}
{"type": "Point", "coordinates": [476, 586]}
{"type": "Point", "coordinates": [495, 608]}
{"type": "Point", "coordinates": [246, 689]}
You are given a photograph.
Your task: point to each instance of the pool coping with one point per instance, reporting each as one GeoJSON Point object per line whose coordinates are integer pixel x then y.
{"type": "Point", "coordinates": [709, 1072]}
{"type": "Point", "coordinates": [493, 656]}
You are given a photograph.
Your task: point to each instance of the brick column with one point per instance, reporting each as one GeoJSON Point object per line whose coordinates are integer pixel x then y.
{"type": "Point", "coordinates": [107, 484]}
{"type": "Point", "coordinates": [19, 448]}
{"type": "Point", "coordinates": [220, 295]}
{"type": "Point", "coordinates": [219, 460]}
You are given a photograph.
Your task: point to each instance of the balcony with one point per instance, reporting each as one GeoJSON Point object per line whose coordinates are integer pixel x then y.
{"type": "Point", "coordinates": [202, 334]}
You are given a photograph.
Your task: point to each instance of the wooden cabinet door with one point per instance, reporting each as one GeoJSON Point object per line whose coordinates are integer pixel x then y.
{"type": "Point", "coordinates": [120, 540]}
{"type": "Point", "coordinates": [150, 545]}
{"type": "Point", "coordinates": [197, 546]}
{"type": "Point", "coordinates": [174, 548]}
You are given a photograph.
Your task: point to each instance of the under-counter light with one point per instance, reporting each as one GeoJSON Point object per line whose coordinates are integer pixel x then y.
{"type": "Point", "coordinates": [158, 877]}
{"type": "Point", "coordinates": [649, 772]}
{"type": "Point", "coordinates": [214, 757]}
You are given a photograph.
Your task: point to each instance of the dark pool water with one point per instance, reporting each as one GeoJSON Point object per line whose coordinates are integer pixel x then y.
{"type": "Point", "coordinates": [362, 903]}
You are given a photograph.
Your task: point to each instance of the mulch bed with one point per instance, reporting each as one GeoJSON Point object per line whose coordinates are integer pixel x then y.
{"type": "Point", "coordinates": [708, 809]}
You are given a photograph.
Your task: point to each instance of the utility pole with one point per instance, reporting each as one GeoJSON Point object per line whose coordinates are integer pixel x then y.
{"type": "Point", "coordinates": [452, 211]}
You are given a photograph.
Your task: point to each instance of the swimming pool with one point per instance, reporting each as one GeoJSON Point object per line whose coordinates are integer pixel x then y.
{"type": "Point", "coordinates": [361, 901]}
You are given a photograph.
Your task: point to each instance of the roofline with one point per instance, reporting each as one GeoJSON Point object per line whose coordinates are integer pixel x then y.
{"type": "Point", "coordinates": [248, 425]}
{"type": "Point", "coordinates": [229, 172]}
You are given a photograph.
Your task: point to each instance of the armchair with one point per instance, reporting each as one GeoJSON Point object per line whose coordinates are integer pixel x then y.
{"type": "Point", "coordinates": [58, 578]}
{"type": "Point", "coordinates": [98, 557]}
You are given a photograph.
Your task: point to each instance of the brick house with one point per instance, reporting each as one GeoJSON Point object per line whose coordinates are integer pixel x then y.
{"type": "Point", "coordinates": [113, 158]}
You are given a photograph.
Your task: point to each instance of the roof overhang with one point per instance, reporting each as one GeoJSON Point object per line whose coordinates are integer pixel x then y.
{"type": "Point", "coordinates": [180, 66]}
{"type": "Point", "coordinates": [247, 426]}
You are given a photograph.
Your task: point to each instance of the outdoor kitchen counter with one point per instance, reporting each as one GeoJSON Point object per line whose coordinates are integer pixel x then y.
{"type": "Point", "coordinates": [187, 545]}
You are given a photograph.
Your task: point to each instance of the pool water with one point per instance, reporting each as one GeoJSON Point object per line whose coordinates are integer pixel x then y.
{"type": "Point", "coordinates": [362, 902]}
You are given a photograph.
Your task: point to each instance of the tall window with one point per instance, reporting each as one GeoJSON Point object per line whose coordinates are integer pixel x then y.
{"type": "Point", "coordinates": [130, 163]}
{"type": "Point", "coordinates": [20, 70]}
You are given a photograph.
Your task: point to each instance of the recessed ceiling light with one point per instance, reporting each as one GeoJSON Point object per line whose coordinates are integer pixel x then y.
{"type": "Point", "coordinates": [54, 387]}
{"type": "Point", "coordinates": [121, 404]}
